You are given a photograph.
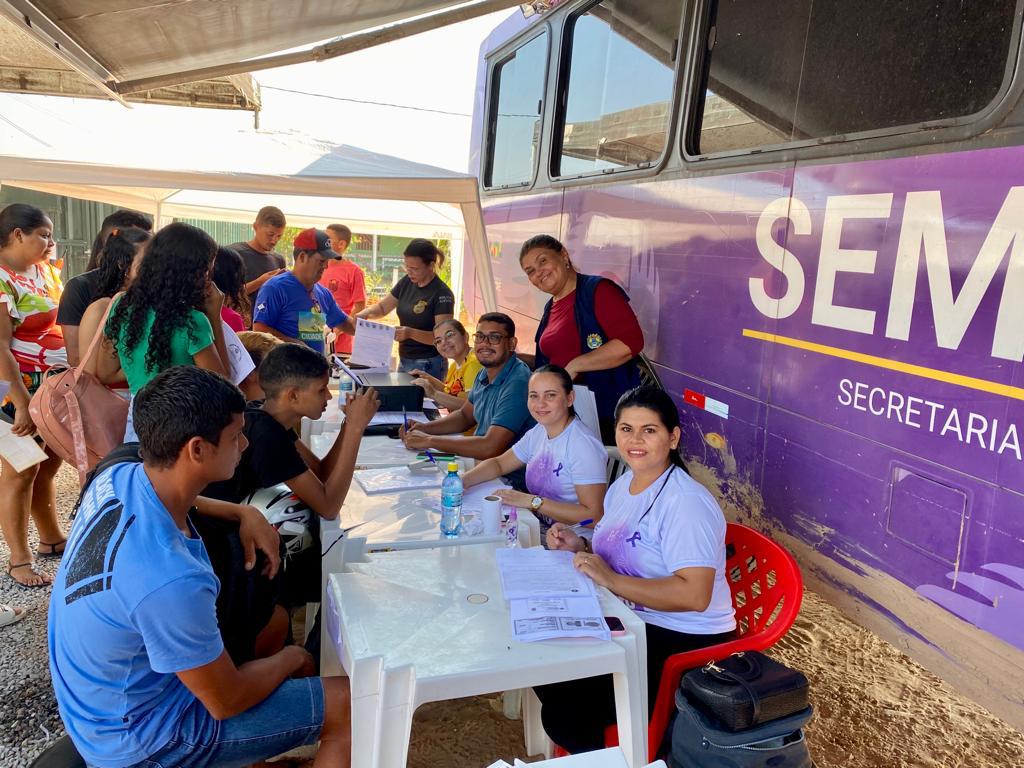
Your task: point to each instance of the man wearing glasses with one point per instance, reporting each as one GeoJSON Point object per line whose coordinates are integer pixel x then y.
{"type": "Point", "coordinates": [496, 410]}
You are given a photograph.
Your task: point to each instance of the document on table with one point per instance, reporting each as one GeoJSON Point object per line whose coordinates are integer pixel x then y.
{"type": "Point", "coordinates": [20, 452]}
{"type": "Point", "coordinates": [546, 618]}
{"type": "Point", "coordinates": [393, 479]}
{"type": "Point", "coordinates": [536, 572]}
{"type": "Point", "coordinates": [397, 417]}
{"type": "Point", "coordinates": [372, 345]}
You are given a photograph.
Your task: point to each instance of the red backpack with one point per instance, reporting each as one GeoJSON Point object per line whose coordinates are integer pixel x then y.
{"type": "Point", "coordinates": [79, 418]}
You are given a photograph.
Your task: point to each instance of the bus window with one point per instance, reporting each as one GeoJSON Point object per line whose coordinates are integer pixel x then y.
{"type": "Point", "coordinates": [618, 86]}
{"type": "Point", "coordinates": [793, 70]}
{"type": "Point", "coordinates": [517, 91]}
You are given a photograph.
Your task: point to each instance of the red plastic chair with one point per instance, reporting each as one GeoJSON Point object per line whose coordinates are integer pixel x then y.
{"type": "Point", "coordinates": [767, 589]}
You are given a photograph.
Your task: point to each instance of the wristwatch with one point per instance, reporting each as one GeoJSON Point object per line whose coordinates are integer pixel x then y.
{"type": "Point", "coordinates": [535, 503]}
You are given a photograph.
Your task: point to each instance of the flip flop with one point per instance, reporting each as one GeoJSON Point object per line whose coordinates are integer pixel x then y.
{"type": "Point", "coordinates": [17, 583]}
{"type": "Point", "coordinates": [9, 614]}
{"type": "Point", "coordinates": [52, 553]}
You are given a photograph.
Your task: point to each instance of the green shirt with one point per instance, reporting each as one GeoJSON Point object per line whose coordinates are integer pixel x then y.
{"type": "Point", "coordinates": [191, 338]}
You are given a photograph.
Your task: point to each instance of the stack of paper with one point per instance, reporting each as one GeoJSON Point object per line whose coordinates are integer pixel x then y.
{"type": "Point", "coordinates": [548, 598]}
{"type": "Point", "coordinates": [393, 479]}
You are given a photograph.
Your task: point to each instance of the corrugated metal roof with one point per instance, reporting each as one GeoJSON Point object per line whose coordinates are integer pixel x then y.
{"type": "Point", "coordinates": [129, 47]}
{"type": "Point", "coordinates": [28, 66]}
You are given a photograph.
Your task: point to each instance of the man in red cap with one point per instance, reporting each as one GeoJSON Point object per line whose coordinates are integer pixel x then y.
{"type": "Point", "coordinates": [292, 305]}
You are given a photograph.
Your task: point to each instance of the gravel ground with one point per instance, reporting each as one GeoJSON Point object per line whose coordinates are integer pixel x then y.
{"type": "Point", "coordinates": [28, 713]}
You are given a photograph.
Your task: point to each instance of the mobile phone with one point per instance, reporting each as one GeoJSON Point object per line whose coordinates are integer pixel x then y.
{"type": "Point", "coordinates": [615, 625]}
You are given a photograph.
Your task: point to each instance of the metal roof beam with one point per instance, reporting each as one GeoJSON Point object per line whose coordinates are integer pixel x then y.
{"type": "Point", "coordinates": [34, 22]}
{"type": "Point", "coordinates": [333, 49]}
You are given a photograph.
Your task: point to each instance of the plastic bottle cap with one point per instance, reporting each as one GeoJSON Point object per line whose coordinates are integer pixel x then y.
{"type": "Point", "coordinates": [453, 467]}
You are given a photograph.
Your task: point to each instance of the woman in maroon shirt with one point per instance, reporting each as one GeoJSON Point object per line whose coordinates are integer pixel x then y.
{"type": "Point", "coordinates": [587, 327]}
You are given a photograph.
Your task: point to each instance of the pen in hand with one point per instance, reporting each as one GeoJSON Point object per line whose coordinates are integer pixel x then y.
{"type": "Point", "coordinates": [581, 525]}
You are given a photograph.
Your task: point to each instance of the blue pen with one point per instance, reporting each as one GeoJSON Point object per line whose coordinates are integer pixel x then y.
{"type": "Point", "coordinates": [430, 457]}
{"type": "Point", "coordinates": [405, 419]}
{"type": "Point", "coordinates": [581, 525]}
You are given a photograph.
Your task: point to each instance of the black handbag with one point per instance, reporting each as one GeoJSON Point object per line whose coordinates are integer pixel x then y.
{"type": "Point", "coordinates": [746, 689]}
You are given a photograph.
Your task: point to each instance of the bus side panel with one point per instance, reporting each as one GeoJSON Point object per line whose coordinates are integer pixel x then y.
{"type": "Point", "coordinates": [510, 222]}
{"type": "Point", "coordinates": [683, 252]}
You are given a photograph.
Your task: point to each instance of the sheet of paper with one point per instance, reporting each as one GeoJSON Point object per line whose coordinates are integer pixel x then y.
{"type": "Point", "coordinates": [239, 360]}
{"type": "Point", "coordinates": [393, 479]}
{"type": "Point", "coordinates": [397, 417]}
{"type": "Point", "coordinates": [20, 452]}
{"type": "Point", "coordinates": [536, 572]}
{"type": "Point", "coordinates": [373, 342]}
{"type": "Point", "coordinates": [547, 618]}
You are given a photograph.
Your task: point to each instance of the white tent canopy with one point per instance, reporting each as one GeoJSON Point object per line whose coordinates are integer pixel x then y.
{"type": "Point", "coordinates": [312, 182]}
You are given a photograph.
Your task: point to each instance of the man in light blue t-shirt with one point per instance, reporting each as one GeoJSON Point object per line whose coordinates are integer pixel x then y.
{"type": "Point", "coordinates": [293, 305]}
{"type": "Point", "coordinates": [496, 409]}
{"type": "Point", "coordinates": [138, 667]}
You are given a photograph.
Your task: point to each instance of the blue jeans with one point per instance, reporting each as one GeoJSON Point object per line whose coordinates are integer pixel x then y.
{"type": "Point", "coordinates": [290, 717]}
{"type": "Point", "coordinates": [436, 366]}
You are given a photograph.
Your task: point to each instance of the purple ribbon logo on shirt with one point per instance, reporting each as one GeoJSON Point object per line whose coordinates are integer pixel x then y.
{"type": "Point", "coordinates": [634, 539]}
{"type": "Point", "coordinates": [558, 470]}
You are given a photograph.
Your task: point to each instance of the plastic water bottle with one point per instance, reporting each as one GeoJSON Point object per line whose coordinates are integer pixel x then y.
{"type": "Point", "coordinates": [451, 502]}
{"type": "Point", "coordinates": [512, 528]}
{"type": "Point", "coordinates": [346, 388]}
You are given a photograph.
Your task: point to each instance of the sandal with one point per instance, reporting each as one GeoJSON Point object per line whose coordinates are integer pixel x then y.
{"type": "Point", "coordinates": [9, 614]}
{"type": "Point", "coordinates": [51, 551]}
{"type": "Point", "coordinates": [46, 580]}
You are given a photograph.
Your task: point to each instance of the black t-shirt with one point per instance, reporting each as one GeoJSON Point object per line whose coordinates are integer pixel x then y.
{"type": "Point", "coordinates": [417, 308]}
{"type": "Point", "coordinates": [256, 262]}
{"type": "Point", "coordinates": [270, 458]}
{"type": "Point", "coordinates": [78, 294]}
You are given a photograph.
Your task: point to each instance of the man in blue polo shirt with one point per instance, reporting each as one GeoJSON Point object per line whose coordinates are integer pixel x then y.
{"type": "Point", "coordinates": [496, 409]}
{"type": "Point", "coordinates": [293, 306]}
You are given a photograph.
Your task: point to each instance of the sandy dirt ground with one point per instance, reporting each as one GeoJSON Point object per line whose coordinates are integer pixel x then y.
{"type": "Point", "coordinates": [874, 707]}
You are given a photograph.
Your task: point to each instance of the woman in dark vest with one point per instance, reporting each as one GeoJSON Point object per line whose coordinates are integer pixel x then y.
{"type": "Point", "coordinates": [587, 327]}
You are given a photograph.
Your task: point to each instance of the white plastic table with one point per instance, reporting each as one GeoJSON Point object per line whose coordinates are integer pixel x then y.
{"type": "Point", "coordinates": [374, 450]}
{"type": "Point", "coordinates": [432, 624]}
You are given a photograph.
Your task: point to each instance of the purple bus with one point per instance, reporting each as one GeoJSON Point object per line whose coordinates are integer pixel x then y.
{"type": "Point", "coordinates": [817, 209]}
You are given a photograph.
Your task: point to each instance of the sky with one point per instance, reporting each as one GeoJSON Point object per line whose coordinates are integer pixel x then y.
{"type": "Point", "coordinates": [434, 70]}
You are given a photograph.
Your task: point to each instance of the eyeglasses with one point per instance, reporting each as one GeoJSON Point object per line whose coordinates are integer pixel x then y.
{"type": "Point", "coordinates": [446, 337]}
{"type": "Point", "coordinates": [490, 338]}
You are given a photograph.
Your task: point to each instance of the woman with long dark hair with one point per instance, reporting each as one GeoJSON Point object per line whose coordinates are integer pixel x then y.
{"type": "Point", "coordinates": [31, 343]}
{"type": "Point", "coordinates": [587, 326]}
{"type": "Point", "coordinates": [661, 548]}
{"type": "Point", "coordinates": [229, 277]}
{"type": "Point", "coordinates": [170, 314]}
{"type": "Point", "coordinates": [118, 264]}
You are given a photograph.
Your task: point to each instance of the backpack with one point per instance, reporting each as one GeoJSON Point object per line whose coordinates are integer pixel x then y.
{"type": "Point", "coordinates": [79, 418]}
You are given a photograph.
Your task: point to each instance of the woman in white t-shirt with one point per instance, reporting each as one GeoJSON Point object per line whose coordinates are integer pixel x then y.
{"type": "Point", "coordinates": [660, 547]}
{"type": "Point", "coordinates": [565, 461]}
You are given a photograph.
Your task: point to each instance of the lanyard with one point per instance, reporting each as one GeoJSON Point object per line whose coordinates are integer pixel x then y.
{"type": "Point", "coordinates": [655, 499]}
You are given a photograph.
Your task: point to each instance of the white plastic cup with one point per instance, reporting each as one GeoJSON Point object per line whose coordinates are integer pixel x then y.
{"type": "Point", "coordinates": [491, 515]}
